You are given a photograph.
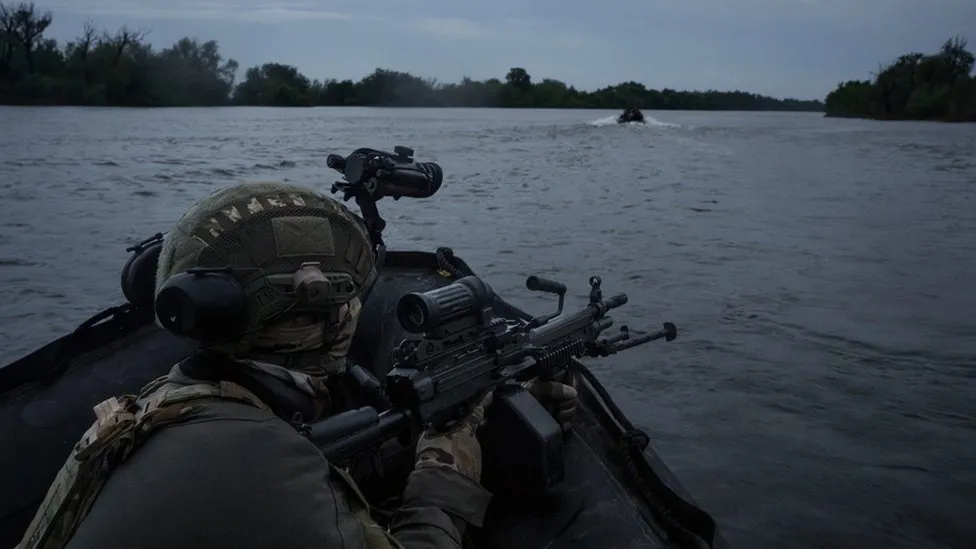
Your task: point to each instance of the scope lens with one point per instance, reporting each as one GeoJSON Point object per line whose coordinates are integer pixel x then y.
{"type": "Point", "coordinates": [435, 173]}
{"type": "Point", "coordinates": [415, 316]}
{"type": "Point", "coordinates": [412, 313]}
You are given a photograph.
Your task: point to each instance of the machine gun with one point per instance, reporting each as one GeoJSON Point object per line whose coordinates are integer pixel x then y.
{"type": "Point", "coordinates": [458, 350]}
{"type": "Point", "coordinates": [371, 175]}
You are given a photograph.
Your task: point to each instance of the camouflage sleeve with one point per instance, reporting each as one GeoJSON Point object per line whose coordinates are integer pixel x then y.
{"type": "Point", "coordinates": [437, 504]}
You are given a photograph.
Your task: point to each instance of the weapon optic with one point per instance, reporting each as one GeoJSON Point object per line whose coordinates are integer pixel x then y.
{"type": "Point", "coordinates": [465, 349]}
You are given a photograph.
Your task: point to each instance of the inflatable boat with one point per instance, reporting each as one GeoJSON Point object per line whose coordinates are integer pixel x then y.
{"type": "Point", "coordinates": [631, 115]}
{"type": "Point", "coordinates": [614, 490]}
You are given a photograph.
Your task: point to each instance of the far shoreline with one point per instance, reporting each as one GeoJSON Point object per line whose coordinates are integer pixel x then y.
{"type": "Point", "coordinates": [937, 120]}
{"type": "Point", "coordinates": [410, 107]}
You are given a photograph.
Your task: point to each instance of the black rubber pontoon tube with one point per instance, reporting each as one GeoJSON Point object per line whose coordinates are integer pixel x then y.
{"type": "Point", "coordinates": [686, 524]}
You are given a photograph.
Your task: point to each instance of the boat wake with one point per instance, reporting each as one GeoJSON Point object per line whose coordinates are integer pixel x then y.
{"type": "Point", "coordinates": [649, 121]}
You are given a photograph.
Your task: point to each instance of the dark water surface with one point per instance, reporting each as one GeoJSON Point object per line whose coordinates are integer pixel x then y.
{"type": "Point", "coordinates": [822, 274]}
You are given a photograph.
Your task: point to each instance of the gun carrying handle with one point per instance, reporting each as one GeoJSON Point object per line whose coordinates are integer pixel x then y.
{"type": "Point", "coordinates": [539, 284]}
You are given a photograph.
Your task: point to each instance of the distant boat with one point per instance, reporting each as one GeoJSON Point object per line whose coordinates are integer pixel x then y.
{"type": "Point", "coordinates": [630, 115]}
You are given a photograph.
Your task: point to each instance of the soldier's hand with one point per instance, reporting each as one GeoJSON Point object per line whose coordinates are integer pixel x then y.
{"type": "Point", "coordinates": [559, 398]}
{"type": "Point", "coordinates": [458, 448]}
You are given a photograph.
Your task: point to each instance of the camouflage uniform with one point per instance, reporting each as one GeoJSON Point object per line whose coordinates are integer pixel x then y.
{"type": "Point", "coordinates": [206, 457]}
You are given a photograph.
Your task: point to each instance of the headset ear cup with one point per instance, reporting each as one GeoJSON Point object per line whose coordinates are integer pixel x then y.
{"type": "Point", "coordinates": [139, 275]}
{"type": "Point", "coordinates": [203, 306]}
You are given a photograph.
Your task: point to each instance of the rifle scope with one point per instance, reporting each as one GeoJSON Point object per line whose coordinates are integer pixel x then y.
{"type": "Point", "coordinates": [424, 312]}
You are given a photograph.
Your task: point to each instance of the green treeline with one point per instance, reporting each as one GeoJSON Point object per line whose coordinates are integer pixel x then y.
{"type": "Point", "coordinates": [121, 68]}
{"type": "Point", "coordinates": [914, 87]}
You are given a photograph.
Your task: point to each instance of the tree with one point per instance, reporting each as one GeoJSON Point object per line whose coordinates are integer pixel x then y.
{"type": "Point", "coordinates": [519, 79]}
{"type": "Point", "coordinates": [25, 25]}
{"type": "Point", "coordinates": [121, 68]}
{"type": "Point", "coordinates": [274, 84]}
{"type": "Point", "coordinates": [914, 86]}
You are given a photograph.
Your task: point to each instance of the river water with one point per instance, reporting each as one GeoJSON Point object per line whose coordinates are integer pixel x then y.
{"type": "Point", "coordinates": [822, 274]}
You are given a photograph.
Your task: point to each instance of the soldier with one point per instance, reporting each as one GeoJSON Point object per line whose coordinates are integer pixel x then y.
{"type": "Point", "coordinates": [267, 279]}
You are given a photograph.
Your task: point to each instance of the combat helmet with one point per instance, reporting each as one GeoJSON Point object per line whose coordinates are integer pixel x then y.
{"type": "Point", "coordinates": [253, 254]}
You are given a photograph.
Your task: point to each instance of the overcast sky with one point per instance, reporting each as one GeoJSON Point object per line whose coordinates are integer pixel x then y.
{"type": "Point", "coordinates": [796, 48]}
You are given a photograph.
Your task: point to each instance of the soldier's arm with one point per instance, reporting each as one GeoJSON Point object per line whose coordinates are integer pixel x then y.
{"type": "Point", "coordinates": [437, 505]}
